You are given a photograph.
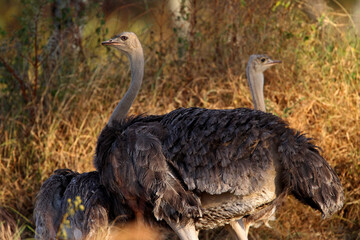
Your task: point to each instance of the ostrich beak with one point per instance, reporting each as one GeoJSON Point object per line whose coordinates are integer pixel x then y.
{"type": "Point", "coordinates": [110, 42]}
{"type": "Point", "coordinates": [273, 62]}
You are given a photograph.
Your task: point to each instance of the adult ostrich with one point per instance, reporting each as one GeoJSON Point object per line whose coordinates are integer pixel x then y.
{"type": "Point", "coordinates": [203, 168]}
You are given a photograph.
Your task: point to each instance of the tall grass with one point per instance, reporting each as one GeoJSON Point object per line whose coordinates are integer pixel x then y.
{"type": "Point", "coordinates": [316, 90]}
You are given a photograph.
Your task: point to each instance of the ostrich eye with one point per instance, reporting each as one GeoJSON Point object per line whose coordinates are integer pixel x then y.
{"type": "Point", "coordinates": [124, 38]}
{"type": "Point", "coordinates": [263, 60]}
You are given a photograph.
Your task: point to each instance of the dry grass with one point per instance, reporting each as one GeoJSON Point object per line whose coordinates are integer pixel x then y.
{"type": "Point", "coordinates": [316, 90]}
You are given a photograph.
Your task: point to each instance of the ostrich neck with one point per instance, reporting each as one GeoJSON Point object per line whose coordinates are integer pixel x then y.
{"type": "Point", "coordinates": [137, 74]}
{"type": "Point", "coordinates": [256, 83]}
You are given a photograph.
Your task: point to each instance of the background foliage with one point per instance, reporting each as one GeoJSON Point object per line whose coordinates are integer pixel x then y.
{"type": "Point", "coordinates": [58, 87]}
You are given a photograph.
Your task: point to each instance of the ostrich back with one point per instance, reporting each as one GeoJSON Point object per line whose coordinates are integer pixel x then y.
{"type": "Point", "coordinates": [195, 161]}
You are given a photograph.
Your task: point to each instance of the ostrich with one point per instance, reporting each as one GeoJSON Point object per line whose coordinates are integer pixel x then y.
{"type": "Point", "coordinates": [202, 168]}
{"type": "Point", "coordinates": [99, 208]}
{"type": "Point", "coordinates": [256, 66]}
{"type": "Point", "coordinates": [52, 204]}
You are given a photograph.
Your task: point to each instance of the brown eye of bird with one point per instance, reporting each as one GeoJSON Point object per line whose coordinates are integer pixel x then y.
{"type": "Point", "coordinates": [263, 60]}
{"type": "Point", "coordinates": [124, 38]}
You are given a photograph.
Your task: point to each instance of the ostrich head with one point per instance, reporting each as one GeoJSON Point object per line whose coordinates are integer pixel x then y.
{"type": "Point", "coordinates": [126, 42]}
{"type": "Point", "coordinates": [254, 71]}
{"type": "Point", "coordinates": [262, 62]}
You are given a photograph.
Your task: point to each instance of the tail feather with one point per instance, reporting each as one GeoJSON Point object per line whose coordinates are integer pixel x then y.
{"type": "Point", "coordinates": [308, 175]}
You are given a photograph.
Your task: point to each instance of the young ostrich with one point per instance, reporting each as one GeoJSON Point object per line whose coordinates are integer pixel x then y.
{"type": "Point", "coordinates": [52, 205]}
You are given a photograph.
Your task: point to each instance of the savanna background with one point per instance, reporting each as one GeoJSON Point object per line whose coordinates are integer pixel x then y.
{"type": "Point", "coordinates": [58, 87]}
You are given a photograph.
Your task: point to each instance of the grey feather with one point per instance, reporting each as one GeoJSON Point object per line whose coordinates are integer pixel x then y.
{"type": "Point", "coordinates": [99, 208]}
{"type": "Point", "coordinates": [236, 160]}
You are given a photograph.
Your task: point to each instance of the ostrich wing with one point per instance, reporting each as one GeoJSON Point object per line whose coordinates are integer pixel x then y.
{"type": "Point", "coordinates": [218, 151]}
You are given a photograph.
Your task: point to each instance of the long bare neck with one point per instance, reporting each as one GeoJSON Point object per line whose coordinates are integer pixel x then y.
{"type": "Point", "coordinates": [256, 83]}
{"type": "Point", "coordinates": [137, 74]}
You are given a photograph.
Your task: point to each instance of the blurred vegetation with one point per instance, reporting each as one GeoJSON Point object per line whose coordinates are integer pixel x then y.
{"type": "Point", "coordinates": [58, 87]}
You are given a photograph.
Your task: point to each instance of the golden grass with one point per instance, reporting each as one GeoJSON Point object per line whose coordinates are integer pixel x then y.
{"type": "Point", "coordinates": [316, 90]}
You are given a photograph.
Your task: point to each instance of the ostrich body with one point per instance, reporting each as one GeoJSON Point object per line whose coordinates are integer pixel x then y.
{"type": "Point", "coordinates": [52, 205]}
{"type": "Point", "coordinates": [202, 168]}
